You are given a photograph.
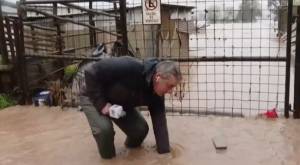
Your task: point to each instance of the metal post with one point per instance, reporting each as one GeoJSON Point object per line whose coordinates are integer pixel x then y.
{"type": "Point", "coordinates": [3, 48]}
{"type": "Point", "coordinates": [123, 25]}
{"type": "Point", "coordinates": [59, 37]}
{"type": "Point", "coordinates": [288, 59]}
{"type": "Point", "coordinates": [297, 72]}
{"type": "Point", "coordinates": [93, 40]}
{"type": "Point", "coordinates": [158, 40]}
{"type": "Point", "coordinates": [17, 60]}
{"type": "Point", "coordinates": [21, 54]}
{"type": "Point", "coordinates": [117, 19]}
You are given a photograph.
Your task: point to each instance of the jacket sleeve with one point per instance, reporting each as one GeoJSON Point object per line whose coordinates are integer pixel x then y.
{"type": "Point", "coordinates": [159, 121]}
{"type": "Point", "coordinates": [95, 90]}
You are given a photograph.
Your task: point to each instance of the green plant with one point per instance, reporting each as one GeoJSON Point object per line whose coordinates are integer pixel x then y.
{"type": "Point", "coordinates": [6, 101]}
{"type": "Point", "coordinates": [70, 70]}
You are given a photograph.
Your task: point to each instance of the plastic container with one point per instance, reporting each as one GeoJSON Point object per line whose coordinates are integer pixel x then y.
{"type": "Point", "coordinates": [42, 98]}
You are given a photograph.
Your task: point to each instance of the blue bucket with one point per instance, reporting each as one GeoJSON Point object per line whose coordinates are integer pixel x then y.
{"type": "Point", "coordinates": [42, 98]}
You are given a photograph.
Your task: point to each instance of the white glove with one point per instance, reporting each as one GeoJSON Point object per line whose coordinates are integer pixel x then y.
{"type": "Point", "coordinates": [116, 111]}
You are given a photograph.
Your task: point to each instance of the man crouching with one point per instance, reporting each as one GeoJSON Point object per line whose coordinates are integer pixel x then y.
{"type": "Point", "coordinates": [123, 83]}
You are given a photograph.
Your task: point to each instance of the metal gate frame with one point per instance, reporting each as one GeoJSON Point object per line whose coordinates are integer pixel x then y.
{"type": "Point", "coordinates": [19, 38]}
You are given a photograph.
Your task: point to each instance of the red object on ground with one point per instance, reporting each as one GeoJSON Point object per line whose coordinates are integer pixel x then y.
{"type": "Point", "coordinates": [271, 113]}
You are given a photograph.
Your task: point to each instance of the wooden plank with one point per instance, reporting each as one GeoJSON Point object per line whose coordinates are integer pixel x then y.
{"type": "Point", "coordinates": [36, 44]}
{"type": "Point", "coordinates": [27, 31]}
{"type": "Point", "coordinates": [58, 1]}
{"type": "Point", "coordinates": [39, 38]}
{"type": "Point", "coordinates": [40, 49]}
{"type": "Point", "coordinates": [67, 20]}
{"type": "Point", "coordinates": [75, 35]}
{"type": "Point", "coordinates": [39, 27]}
{"type": "Point", "coordinates": [70, 50]}
{"type": "Point", "coordinates": [90, 11]}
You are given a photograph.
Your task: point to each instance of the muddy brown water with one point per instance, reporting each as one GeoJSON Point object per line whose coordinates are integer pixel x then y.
{"type": "Point", "coordinates": [49, 136]}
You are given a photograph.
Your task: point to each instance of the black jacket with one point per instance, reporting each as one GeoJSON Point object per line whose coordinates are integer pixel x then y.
{"type": "Point", "coordinates": [128, 82]}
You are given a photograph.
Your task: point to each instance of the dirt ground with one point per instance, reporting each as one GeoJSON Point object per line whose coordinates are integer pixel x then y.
{"type": "Point", "coordinates": [50, 136]}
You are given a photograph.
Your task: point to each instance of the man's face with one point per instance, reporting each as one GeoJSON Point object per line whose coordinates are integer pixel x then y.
{"type": "Point", "coordinates": [164, 85]}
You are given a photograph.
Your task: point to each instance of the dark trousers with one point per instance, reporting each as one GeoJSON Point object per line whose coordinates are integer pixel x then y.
{"type": "Point", "coordinates": [133, 125]}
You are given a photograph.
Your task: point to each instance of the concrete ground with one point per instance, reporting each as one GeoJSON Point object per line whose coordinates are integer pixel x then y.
{"type": "Point", "coordinates": [50, 136]}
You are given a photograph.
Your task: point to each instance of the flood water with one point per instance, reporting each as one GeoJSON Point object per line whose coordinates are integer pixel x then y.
{"type": "Point", "coordinates": [246, 88]}
{"type": "Point", "coordinates": [50, 136]}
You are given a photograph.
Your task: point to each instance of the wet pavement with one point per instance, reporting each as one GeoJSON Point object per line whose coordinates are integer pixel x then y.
{"type": "Point", "coordinates": [50, 136]}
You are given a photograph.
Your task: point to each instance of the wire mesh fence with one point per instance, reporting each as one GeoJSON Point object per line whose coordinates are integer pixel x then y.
{"type": "Point", "coordinates": [232, 53]}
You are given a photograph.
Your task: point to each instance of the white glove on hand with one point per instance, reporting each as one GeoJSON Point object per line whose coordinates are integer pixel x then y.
{"type": "Point", "coordinates": [116, 111]}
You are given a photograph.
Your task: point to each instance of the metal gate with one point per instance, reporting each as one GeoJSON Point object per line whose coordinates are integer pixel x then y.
{"type": "Point", "coordinates": [235, 55]}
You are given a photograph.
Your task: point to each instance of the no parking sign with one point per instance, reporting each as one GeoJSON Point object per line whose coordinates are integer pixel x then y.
{"type": "Point", "coordinates": [151, 12]}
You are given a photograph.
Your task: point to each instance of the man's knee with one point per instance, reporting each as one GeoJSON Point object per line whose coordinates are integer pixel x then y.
{"type": "Point", "coordinates": [140, 131]}
{"type": "Point", "coordinates": [143, 129]}
{"type": "Point", "coordinates": [103, 133]}
{"type": "Point", "coordinates": [136, 138]}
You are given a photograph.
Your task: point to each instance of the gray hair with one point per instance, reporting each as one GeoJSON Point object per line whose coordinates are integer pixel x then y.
{"type": "Point", "coordinates": [169, 68]}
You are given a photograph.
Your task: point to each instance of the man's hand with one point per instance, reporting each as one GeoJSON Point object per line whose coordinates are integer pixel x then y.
{"type": "Point", "coordinates": [105, 109]}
